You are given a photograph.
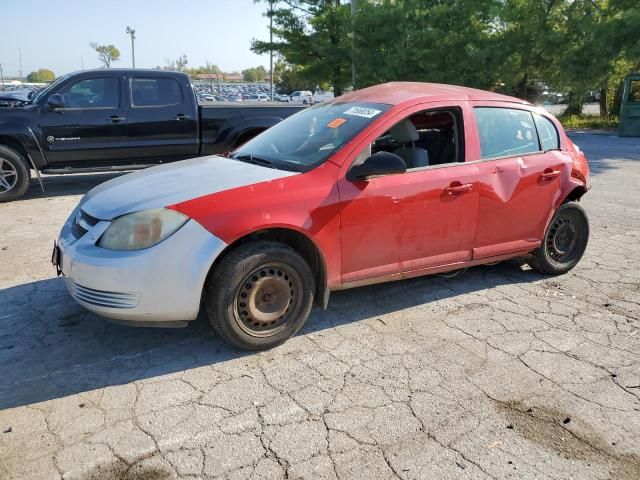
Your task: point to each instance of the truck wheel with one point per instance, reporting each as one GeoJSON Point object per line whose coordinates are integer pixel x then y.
{"type": "Point", "coordinates": [564, 241]}
{"type": "Point", "coordinates": [260, 295]}
{"type": "Point", "coordinates": [14, 175]}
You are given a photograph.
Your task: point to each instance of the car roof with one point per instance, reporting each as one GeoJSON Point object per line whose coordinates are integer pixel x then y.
{"type": "Point", "coordinates": [395, 93]}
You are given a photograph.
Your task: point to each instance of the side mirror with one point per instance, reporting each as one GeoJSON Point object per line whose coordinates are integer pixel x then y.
{"type": "Point", "coordinates": [381, 163]}
{"type": "Point", "coordinates": [55, 101]}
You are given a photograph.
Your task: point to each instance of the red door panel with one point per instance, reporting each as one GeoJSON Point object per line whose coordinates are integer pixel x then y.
{"type": "Point", "coordinates": [406, 222]}
{"type": "Point", "coordinates": [516, 201]}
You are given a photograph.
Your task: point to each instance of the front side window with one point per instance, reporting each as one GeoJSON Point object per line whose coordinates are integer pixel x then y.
{"type": "Point", "coordinates": [155, 92]}
{"type": "Point", "coordinates": [308, 138]}
{"type": "Point", "coordinates": [548, 134]}
{"type": "Point", "coordinates": [426, 138]}
{"type": "Point", "coordinates": [505, 132]}
{"type": "Point", "coordinates": [92, 93]}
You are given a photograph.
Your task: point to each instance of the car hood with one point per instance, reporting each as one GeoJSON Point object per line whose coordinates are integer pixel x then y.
{"type": "Point", "coordinates": [177, 182]}
{"type": "Point", "coordinates": [15, 96]}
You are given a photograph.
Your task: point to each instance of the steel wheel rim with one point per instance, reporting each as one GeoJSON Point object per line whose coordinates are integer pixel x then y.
{"type": "Point", "coordinates": [267, 299]}
{"type": "Point", "coordinates": [8, 176]}
{"type": "Point", "coordinates": [562, 240]}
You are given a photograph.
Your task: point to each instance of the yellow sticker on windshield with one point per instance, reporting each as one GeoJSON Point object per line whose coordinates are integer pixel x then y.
{"type": "Point", "coordinates": [336, 123]}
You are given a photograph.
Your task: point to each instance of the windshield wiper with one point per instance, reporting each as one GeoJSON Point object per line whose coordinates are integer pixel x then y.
{"type": "Point", "coordinates": [249, 158]}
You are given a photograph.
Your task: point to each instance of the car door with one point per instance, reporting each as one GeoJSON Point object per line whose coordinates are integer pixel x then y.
{"type": "Point", "coordinates": [395, 224]}
{"type": "Point", "coordinates": [162, 123]}
{"type": "Point", "coordinates": [520, 175]}
{"type": "Point", "coordinates": [92, 125]}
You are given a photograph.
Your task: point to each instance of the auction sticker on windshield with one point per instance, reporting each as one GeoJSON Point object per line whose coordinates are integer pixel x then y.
{"type": "Point", "coordinates": [336, 123]}
{"type": "Point", "coordinates": [362, 112]}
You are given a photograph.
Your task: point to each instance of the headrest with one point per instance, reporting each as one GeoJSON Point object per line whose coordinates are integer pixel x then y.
{"type": "Point", "coordinates": [405, 132]}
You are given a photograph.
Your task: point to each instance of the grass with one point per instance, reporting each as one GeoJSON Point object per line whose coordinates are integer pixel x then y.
{"type": "Point", "coordinates": [589, 122]}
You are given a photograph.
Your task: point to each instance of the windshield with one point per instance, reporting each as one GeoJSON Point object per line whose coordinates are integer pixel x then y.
{"type": "Point", "coordinates": [48, 88]}
{"type": "Point", "coordinates": [309, 137]}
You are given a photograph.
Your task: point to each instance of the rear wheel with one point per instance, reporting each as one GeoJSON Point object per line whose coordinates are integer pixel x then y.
{"type": "Point", "coordinates": [14, 175]}
{"type": "Point", "coordinates": [564, 242]}
{"type": "Point", "coordinates": [260, 295]}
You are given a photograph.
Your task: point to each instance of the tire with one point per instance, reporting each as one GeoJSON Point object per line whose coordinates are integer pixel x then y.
{"type": "Point", "coordinates": [14, 175]}
{"type": "Point", "coordinates": [260, 295]}
{"type": "Point", "coordinates": [564, 241]}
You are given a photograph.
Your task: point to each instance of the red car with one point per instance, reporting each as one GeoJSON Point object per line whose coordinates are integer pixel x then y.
{"type": "Point", "coordinates": [388, 182]}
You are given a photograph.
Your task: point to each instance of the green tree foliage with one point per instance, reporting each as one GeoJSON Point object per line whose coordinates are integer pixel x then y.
{"type": "Point", "coordinates": [314, 36]}
{"type": "Point", "coordinates": [106, 53]}
{"type": "Point", "coordinates": [519, 47]}
{"type": "Point", "coordinates": [207, 68]}
{"type": "Point", "coordinates": [255, 74]}
{"type": "Point", "coordinates": [41, 76]}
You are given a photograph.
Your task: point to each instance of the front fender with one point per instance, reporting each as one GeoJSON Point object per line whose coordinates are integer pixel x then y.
{"type": "Point", "coordinates": [19, 136]}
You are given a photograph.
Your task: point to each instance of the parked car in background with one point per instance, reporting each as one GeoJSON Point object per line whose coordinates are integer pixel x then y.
{"type": "Point", "coordinates": [301, 96]}
{"type": "Point", "coordinates": [117, 119]}
{"type": "Point", "coordinates": [385, 183]}
{"type": "Point", "coordinates": [258, 97]}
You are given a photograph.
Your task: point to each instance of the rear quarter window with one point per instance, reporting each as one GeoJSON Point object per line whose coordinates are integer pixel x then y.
{"type": "Point", "coordinates": [505, 132]}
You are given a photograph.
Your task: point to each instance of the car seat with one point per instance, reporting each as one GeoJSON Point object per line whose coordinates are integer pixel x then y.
{"type": "Point", "coordinates": [405, 133]}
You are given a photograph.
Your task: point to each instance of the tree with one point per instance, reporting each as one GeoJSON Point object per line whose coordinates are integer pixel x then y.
{"type": "Point", "coordinates": [106, 53]}
{"type": "Point", "coordinates": [256, 74]}
{"type": "Point", "coordinates": [314, 36]}
{"type": "Point", "coordinates": [41, 76]}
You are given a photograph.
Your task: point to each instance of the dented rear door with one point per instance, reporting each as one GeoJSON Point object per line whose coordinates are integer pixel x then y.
{"type": "Point", "coordinates": [518, 182]}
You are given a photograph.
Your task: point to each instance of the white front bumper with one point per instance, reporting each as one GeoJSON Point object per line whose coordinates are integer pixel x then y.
{"type": "Point", "coordinates": [161, 283]}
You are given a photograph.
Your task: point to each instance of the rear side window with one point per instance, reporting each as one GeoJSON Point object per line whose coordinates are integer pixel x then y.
{"type": "Point", "coordinates": [548, 134]}
{"type": "Point", "coordinates": [505, 132]}
{"type": "Point", "coordinates": [155, 92]}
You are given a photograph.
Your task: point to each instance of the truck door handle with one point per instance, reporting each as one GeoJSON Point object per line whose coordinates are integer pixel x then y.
{"type": "Point", "coordinates": [116, 119]}
{"type": "Point", "coordinates": [549, 174]}
{"type": "Point", "coordinates": [457, 188]}
{"type": "Point", "coordinates": [181, 116]}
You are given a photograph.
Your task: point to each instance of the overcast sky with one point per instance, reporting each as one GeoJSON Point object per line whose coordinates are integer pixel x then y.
{"type": "Point", "coordinates": [56, 34]}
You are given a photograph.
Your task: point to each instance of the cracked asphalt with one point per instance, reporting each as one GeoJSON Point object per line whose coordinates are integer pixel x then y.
{"type": "Point", "coordinates": [497, 372]}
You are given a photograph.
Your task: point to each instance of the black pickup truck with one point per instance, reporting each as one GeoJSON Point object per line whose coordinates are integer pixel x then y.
{"type": "Point", "coordinates": [117, 119]}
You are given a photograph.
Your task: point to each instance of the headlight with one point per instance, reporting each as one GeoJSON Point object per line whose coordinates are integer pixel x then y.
{"type": "Point", "coordinates": [139, 230]}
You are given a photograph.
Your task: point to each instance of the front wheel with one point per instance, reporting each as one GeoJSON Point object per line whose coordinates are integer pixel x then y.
{"type": "Point", "coordinates": [564, 242]}
{"type": "Point", "coordinates": [260, 295]}
{"type": "Point", "coordinates": [14, 175]}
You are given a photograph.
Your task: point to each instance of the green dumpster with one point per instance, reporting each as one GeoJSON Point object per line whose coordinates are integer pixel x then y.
{"type": "Point", "coordinates": [630, 107]}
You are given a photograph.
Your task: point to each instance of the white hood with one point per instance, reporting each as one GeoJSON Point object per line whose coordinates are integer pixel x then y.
{"type": "Point", "coordinates": [172, 183]}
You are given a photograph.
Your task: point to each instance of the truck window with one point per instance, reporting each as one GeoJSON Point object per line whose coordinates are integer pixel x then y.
{"type": "Point", "coordinates": [155, 92]}
{"type": "Point", "coordinates": [92, 93]}
{"type": "Point", "coordinates": [505, 132]}
{"type": "Point", "coordinates": [634, 91]}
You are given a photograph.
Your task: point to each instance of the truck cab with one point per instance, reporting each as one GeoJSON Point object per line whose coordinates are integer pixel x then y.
{"type": "Point", "coordinates": [117, 119]}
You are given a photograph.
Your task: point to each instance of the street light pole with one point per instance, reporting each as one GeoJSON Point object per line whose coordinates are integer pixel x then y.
{"type": "Point", "coordinates": [271, 49]}
{"type": "Point", "coordinates": [132, 32]}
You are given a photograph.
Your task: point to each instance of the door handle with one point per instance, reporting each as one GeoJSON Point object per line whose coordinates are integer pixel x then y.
{"type": "Point", "coordinates": [181, 116]}
{"type": "Point", "coordinates": [457, 188]}
{"type": "Point", "coordinates": [116, 119]}
{"type": "Point", "coordinates": [549, 174]}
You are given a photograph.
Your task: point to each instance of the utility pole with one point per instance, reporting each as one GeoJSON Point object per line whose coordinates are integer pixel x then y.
{"type": "Point", "coordinates": [1, 75]}
{"type": "Point", "coordinates": [20, 53]}
{"type": "Point", "coordinates": [271, 49]}
{"type": "Point", "coordinates": [82, 63]}
{"type": "Point", "coordinates": [132, 32]}
{"type": "Point", "coordinates": [354, 7]}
